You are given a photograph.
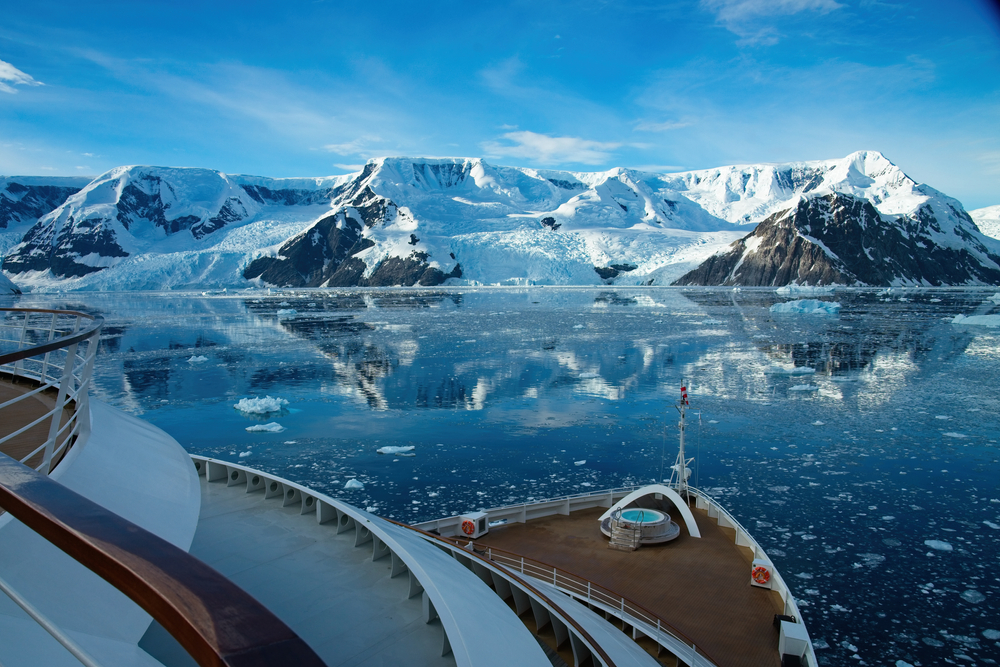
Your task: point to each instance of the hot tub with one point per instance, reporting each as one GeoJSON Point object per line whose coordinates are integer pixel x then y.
{"type": "Point", "coordinates": [654, 526]}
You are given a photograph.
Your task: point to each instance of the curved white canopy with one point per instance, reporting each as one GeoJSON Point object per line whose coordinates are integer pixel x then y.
{"type": "Point", "coordinates": [667, 492]}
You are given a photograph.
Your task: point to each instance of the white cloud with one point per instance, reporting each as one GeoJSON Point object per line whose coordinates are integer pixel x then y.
{"type": "Point", "coordinates": [350, 167]}
{"type": "Point", "coordinates": [355, 147]}
{"type": "Point", "coordinates": [550, 150]}
{"type": "Point", "coordinates": [666, 126]}
{"type": "Point", "coordinates": [11, 76]}
{"type": "Point", "coordinates": [744, 17]}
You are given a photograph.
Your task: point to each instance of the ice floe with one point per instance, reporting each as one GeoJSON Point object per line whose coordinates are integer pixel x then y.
{"type": "Point", "coordinates": [995, 298]}
{"type": "Point", "coordinates": [804, 387]}
{"type": "Point", "coordinates": [807, 307]}
{"type": "Point", "coordinates": [789, 290]}
{"type": "Point", "coordinates": [395, 450]}
{"type": "Point", "coordinates": [197, 359]}
{"type": "Point", "coordinates": [992, 525]}
{"type": "Point", "coordinates": [579, 463]}
{"type": "Point", "coordinates": [973, 596]}
{"type": "Point", "coordinates": [260, 406]}
{"type": "Point", "coordinates": [245, 454]}
{"type": "Point", "coordinates": [353, 485]}
{"type": "Point", "coordinates": [991, 634]}
{"type": "Point", "coordinates": [778, 369]}
{"type": "Point", "coordinates": [938, 545]}
{"type": "Point", "coordinates": [978, 320]}
{"type": "Point", "coordinates": [287, 312]}
{"type": "Point", "coordinates": [952, 434]}
{"type": "Point", "coordinates": [273, 427]}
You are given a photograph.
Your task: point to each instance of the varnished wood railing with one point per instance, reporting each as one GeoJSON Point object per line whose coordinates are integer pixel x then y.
{"type": "Point", "coordinates": [215, 621]}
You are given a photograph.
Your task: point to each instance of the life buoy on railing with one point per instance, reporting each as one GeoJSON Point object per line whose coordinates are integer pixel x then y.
{"type": "Point", "coordinates": [761, 574]}
{"type": "Point", "coordinates": [468, 527]}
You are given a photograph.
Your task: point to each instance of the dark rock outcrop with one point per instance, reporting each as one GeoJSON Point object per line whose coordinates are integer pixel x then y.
{"type": "Point", "coordinates": [840, 239]}
{"type": "Point", "coordinates": [21, 204]}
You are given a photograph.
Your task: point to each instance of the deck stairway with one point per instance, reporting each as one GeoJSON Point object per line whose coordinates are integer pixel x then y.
{"type": "Point", "coordinates": [623, 537]}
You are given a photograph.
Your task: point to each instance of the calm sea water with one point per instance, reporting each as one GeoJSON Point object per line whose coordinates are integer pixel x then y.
{"type": "Point", "coordinates": [872, 482]}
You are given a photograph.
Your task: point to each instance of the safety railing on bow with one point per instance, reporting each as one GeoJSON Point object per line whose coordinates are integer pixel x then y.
{"type": "Point", "coordinates": [46, 363]}
{"type": "Point", "coordinates": [583, 589]}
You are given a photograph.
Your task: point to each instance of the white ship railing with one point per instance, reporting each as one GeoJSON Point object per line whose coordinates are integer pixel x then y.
{"type": "Point", "coordinates": [50, 353]}
{"type": "Point", "coordinates": [646, 622]}
{"type": "Point", "coordinates": [745, 539]}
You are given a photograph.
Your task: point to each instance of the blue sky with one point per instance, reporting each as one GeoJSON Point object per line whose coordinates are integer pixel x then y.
{"type": "Point", "coordinates": [303, 88]}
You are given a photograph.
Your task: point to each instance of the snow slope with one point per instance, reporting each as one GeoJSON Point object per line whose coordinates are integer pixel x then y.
{"type": "Point", "coordinates": [988, 220]}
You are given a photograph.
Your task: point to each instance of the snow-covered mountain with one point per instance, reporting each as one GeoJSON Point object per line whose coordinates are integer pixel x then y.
{"type": "Point", "coordinates": [402, 221]}
{"type": "Point", "coordinates": [838, 239]}
{"type": "Point", "coordinates": [988, 220]}
{"type": "Point", "coordinates": [25, 199]}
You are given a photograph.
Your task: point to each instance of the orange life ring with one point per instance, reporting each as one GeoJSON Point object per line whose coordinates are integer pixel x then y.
{"type": "Point", "coordinates": [761, 574]}
{"type": "Point", "coordinates": [468, 527]}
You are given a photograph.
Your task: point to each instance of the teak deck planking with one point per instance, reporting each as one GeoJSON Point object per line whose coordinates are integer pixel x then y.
{"type": "Point", "coordinates": [701, 586]}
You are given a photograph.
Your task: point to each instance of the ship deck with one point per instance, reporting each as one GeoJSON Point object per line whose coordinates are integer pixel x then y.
{"type": "Point", "coordinates": [699, 586]}
{"type": "Point", "coordinates": [26, 411]}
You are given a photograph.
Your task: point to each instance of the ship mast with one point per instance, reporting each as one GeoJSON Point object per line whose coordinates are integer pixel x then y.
{"type": "Point", "coordinates": [680, 471]}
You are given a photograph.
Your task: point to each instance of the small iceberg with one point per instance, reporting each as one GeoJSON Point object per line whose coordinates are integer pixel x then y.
{"type": "Point", "coordinates": [245, 454]}
{"type": "Point", "coordinates": [938, 545]}
{"type": "Point", "coordinates": [260, 406]}
{"type": "Point", "coordinates": [992, 321]}
{"type": "Point", "coordinates": [995, 298]}
{"type": "Point", "coordinates": [273, 427]}
{"type": "Point", "coordinates": [807, 307]}
{"type": "Point", "coordinates": [197, 359]}
{"type": "Point", "coordinates": [789, 290]}
{"type": "Point", "coordinates": [353, 485]}
{"type": "Point", "coordinates": [804, 387]}
{"type": "Point", "coordinates": [579, 463]}
{"type": "Point", "coordinates": [395, 450]}
{"type": "Point", "coordinates": [789, 370]}
{"type": "Point", "coordinates": [287, 312]}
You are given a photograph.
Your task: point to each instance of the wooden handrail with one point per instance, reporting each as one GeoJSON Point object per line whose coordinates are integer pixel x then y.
{"type": "Point", "coordinates": [593, 586]}
{"type": "Point", "coordinates": [216, 622]}
{"type": "Point", "coordinates": [96, 323]}
{"type": "Point", "coordinates": [605, 658]}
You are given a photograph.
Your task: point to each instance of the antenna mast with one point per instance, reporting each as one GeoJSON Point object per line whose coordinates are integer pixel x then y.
{"type": "Point", "coordinates": [680, 471]}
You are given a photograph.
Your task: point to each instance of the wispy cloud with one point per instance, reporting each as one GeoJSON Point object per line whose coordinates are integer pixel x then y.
{"type": "Point", "coordinates": [665, 126]}
{"type": "Point", "coordinates": [548, 150]}
{"type": "Point", "coordinates": [355, 147]}
{"type": "Point", "coordinates": [750, 19]}
{"type": "Point", "coordinates": [11, 76]}
{"type": "Point", "coordinates": [350, 167]}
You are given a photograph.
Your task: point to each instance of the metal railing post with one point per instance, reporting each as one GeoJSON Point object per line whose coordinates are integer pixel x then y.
{"type": "Point", "coordinates": [48, 625]}
{"type": "Point", "coordinates": [67, 378]}
{"type": "Point", "coordinates": [19, 364]}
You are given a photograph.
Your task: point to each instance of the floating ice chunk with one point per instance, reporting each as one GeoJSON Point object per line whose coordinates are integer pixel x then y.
{"type": "Point", "coordinates": [273, 427]}
{"type": "Point", "coordinates": [245, 454]}
{"type": "Point", "coordinates": [991, 634]}
{"type": "Point", "coordinates": [260, 406]}
{"type": "Point", "coordinates": [713, 421]}
{"type": "Point", "coordinates": [938, 545]}
{"type": "Point", "coordinates": [973, 596]}
{"type": "Point", "coordinates": [588, 376]}
{"type": "Point", "coordinates": [992, 525]}
{"type": "Point", "coordinates": [778, 369]}
{"type": "Point", "coordinates": [197, 359]}
{"type": "Point", "coordinates": [287, 312]}
{"type": "Point", "coordinates": [283, 304]}
{"type": "Point", "coordinates": [579, 463]}
{"type": "Point", "coordinates": [804, 387]}
{"type": "Point", "coordinates": [818, 423]}
{"type": "Point", "coordinates": [291, 442]}
{"type": "Point", "coordinates": [395, 450]}
{"type": "Point", "coordinates": [995, 298]}
{"type": "Point", "coordinates": [577, 326]}
{"type": "Point", "coordinates": [952, 434]}
{"type": "Point", "coordinates": [899, 663]}
{"type": "Point", "coordinates": [978, 320]}
{"type": "Point", "coordinates": [789, 290]}
{"type": "Point", "coordinates": [353, 485]}
{"type": "Point", "coordinates": [820, 644]}
{"type": "Point", "coordinates": [807, 307]}
{"type": "Point", "coordinates": [712, 321]}
{"type": "Point", "coordinates": [888, 517]}
{"type": "Point", "coordinates": [804, 575]}
{"type": "Point", "coordinates": [945, 417]}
